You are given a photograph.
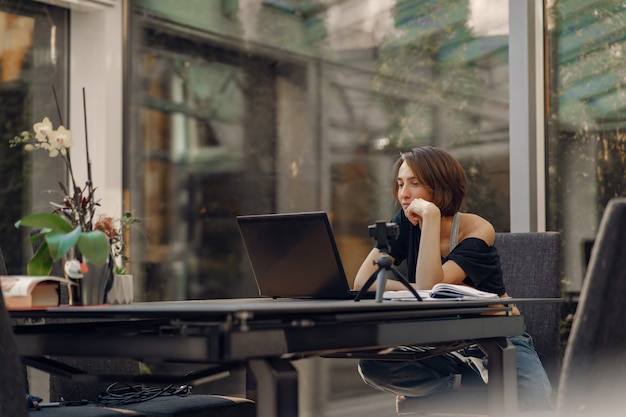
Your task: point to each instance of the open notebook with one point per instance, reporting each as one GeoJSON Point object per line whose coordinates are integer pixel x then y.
{"type": "Point", "coordinates": [294, 255]}
{"type": "Point", "coordinates": [442, 291]}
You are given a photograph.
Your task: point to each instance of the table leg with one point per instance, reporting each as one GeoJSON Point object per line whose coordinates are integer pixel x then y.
{"type": "Point", "coordinates": [502, 386]}
{"type": "Point", "coordinates": [275, 389]}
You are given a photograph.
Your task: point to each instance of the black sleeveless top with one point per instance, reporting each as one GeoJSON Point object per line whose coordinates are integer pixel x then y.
{"type": "Point", "coordinates": [478, 260]}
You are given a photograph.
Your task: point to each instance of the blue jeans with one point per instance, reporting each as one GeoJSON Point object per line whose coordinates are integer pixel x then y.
{"type": "Point", "coordinates": [443, 373]}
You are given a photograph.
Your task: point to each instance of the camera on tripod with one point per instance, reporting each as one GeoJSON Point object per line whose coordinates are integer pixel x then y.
{"type": "Point", "coordinates": [383, 232]}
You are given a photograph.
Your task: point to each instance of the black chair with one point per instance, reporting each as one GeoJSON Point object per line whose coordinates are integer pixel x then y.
{"type": "Point", "coordinates": [3, 265]}
{"type": "Point", "coordinates": [190, 406]}
{"type": "Point", "coordinates": [12, 384]}
{"type": "Point", "coordinates": [593, 375]}
{"type": "Point", "coordinates": [531, 267]}
{"type": "Point", "coordinates": [594, 367]}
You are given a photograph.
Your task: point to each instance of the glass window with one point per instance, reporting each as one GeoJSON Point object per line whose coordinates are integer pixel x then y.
{"type": "Point", "coordinates": [586, 139]}
{"type": "Point", "coordinates": [33, 60]}
{"type": "Point", "coordinates": [282, 106]}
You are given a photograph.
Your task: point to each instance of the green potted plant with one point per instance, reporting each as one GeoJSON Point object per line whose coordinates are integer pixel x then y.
{"type": "Point", "coordinates": [72, 223]}
{"type": "Point", "coordinates": [91, 248]}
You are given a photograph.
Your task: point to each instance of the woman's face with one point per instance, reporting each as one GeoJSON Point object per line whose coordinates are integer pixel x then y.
{"type": "Point", "coordinates": [409, 187]}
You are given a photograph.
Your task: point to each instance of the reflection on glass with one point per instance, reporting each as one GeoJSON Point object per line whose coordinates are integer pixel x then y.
{"type": "Point", "coordinates": [586, 121]}
{"type": "Point", "coordinates": [32, 60]}
{"type": "Point", "coordinates": [279, 106]}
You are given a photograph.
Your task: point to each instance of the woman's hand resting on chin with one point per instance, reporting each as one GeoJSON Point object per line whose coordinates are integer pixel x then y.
{"type": "Point", "coordinates": [418, 209]}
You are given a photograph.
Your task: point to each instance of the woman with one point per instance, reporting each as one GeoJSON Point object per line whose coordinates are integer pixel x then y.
{"type": "Point", "coordinates": [441, 244]}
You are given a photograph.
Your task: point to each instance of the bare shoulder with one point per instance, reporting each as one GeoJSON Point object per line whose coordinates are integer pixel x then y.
{"type": "Point", "coordinates": [472, 225]}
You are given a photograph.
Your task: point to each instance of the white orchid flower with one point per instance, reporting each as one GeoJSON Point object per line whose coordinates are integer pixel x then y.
{"type": "Point", "coordinates": [42, 129]}
{"type": "Point", "coordinates": [60, 140]}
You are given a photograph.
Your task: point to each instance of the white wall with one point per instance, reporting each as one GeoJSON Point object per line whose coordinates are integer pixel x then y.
{"type": "Point", "coordinates": [96, 65]}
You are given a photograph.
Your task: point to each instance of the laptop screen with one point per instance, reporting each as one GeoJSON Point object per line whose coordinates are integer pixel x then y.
{"type": "Point", "coordinates": [294, 255]}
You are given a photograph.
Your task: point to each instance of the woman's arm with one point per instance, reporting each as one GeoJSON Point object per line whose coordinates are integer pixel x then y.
{"type": "Point", "coordinates": [429, 270]}
{"type": "Point", "coordinates": [368, 267]}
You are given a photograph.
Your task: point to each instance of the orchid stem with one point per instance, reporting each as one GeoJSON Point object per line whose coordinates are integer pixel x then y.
{"type": "Point", "coordinates": [67, 159]}
{"type": "Point", "coordinates": [89, 181]}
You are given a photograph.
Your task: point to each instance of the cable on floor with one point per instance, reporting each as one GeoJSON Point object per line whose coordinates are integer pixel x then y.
{"type": "Point", "coordinates": [121, 393]}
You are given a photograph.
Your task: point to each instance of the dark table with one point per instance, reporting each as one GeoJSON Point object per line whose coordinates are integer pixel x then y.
{"type": "Point", "coordinates": [266, 335]}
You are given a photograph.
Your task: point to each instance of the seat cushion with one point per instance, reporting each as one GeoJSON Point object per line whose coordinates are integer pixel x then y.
{"type": "Point", "coordinates": [90, 410]}
{"type": "Point", "coordinates": [169, 406]}
{"type": "Point", "coordinates": [195, 406]}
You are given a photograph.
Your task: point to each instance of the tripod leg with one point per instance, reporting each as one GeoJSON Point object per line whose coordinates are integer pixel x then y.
{"type": "Point", "coordinates": [380, 284]}
{"type": "Point", "coordinates": [398, 277]}
{"type": "Point", "coordinates": [369, 282]}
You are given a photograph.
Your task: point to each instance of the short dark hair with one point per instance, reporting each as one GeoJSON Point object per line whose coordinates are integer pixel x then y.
{"type": "Point", "coordinates": [439, 171]}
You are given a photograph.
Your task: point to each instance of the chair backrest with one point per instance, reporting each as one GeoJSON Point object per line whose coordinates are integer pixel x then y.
{"type": "Point", "coordinates": [531, 266]}
{"type": "Point", "coordinates": [3, 265]}
{"type": "Point", "coordinates": [594, 365]}
{"type": "Point", "coordinates": [12, 384]}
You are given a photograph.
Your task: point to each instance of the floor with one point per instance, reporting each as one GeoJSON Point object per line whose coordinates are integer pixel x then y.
{"type": "Point", "coordinates": [375, 405]}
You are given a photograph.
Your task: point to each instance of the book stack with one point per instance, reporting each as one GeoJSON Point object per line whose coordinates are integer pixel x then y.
{"type": "Point", "coordinates": [22, 292]}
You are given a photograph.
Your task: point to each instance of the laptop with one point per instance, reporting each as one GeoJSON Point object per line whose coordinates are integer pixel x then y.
{"type": "Point", "coordinates": [294, 255]}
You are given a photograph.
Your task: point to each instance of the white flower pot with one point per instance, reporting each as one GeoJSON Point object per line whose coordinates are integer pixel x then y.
{"type": "Point", "coordinates": [122, 290]}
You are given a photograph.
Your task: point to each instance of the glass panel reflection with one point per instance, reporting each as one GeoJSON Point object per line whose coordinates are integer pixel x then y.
{"type": "Point", "coordinates": [586, 140]}
{"type": "Point", "coordinates": [32, 61]}
{"type": "Point", "coordinates": [280, 106]}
